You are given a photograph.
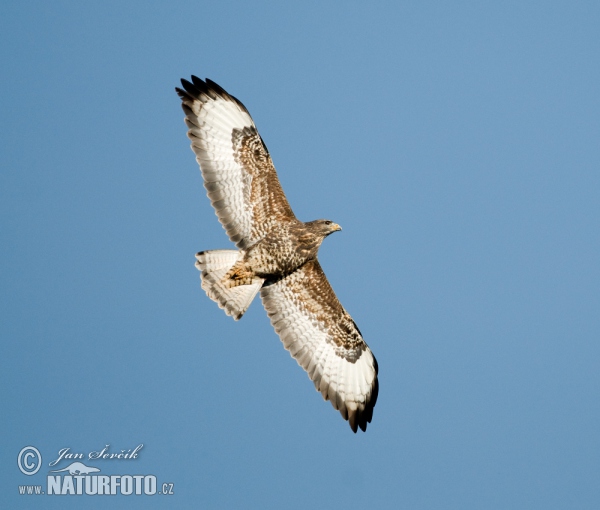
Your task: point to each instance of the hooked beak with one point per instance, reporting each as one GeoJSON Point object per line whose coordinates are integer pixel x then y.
{"type": "Point", "coordinates": [335, 227]}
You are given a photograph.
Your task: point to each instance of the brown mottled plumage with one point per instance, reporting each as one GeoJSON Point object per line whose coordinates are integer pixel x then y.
{"type": "Point", "coordinates": [277, 253]}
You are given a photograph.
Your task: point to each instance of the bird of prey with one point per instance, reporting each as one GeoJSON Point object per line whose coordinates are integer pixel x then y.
{"type": "Point", "coordinates": [276, 255]}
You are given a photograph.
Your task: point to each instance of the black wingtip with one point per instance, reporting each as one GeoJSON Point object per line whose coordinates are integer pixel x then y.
{"type": "Point", "coordinates": [216, 87]}
{"type": "Point", "coordinates": [360, 419]}
{"type": "Point", "coordinates": [182, 93]}
{"type": "Point", "coordinates": [353, 419]}
{"type": "Point", "coordinates": [198, 82]}
{"type": "Point", "coordinates": [190, 88]}
{"type": "Point", "coordinates": [203, 87]}
{"type": "Point", "coordinates": [208, 87]}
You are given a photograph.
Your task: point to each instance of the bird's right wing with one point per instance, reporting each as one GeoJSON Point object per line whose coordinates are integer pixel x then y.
{"type": "Point", "coordinates": [239, 175]}
{"type": "Point", "coordinates": [324, 340]}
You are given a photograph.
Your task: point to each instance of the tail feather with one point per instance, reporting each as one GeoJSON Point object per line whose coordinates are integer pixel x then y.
{"type": "Point", "coordinates": [214, 265]}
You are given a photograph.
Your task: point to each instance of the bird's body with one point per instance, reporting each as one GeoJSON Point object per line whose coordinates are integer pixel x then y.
{"type": "Point", "coordinates": [277, 253]}
{"type": "Point", "coordinates": [287, 247]}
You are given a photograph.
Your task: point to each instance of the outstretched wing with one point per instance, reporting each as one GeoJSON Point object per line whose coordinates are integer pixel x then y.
{"type": "Point", "coordinates": [239, 175]}
{"type": "Point", "coordinates": [324, 340]}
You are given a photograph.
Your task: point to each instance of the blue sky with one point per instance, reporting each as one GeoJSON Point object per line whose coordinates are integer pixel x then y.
{"type": "Point", "coordinates": [457, 143]}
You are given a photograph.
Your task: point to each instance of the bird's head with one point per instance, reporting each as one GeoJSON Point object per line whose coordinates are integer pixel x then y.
{"type": "Point", "coordinates": [324, 227]}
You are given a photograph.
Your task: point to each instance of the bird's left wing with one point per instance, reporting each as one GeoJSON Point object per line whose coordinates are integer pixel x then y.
{"type": "Point", "coordinates": [238, 172]}
{"type": "Point", "coordinates": [324, 340]}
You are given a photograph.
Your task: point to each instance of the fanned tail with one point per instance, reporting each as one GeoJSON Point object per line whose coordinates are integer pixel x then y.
{"type": "Point", "coordinates": [214, 264]}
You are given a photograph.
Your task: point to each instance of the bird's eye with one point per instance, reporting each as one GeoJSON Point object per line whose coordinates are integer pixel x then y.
{"type": "Point", "coordinates": [327, 222]}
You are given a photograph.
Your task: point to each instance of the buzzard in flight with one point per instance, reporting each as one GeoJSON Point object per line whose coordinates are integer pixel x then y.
{"type": "Point", "coordinates": [277, 253]}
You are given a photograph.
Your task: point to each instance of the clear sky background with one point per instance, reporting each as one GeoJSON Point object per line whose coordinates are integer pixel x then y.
{"type": "Point", "coordinates": [458, 145]}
